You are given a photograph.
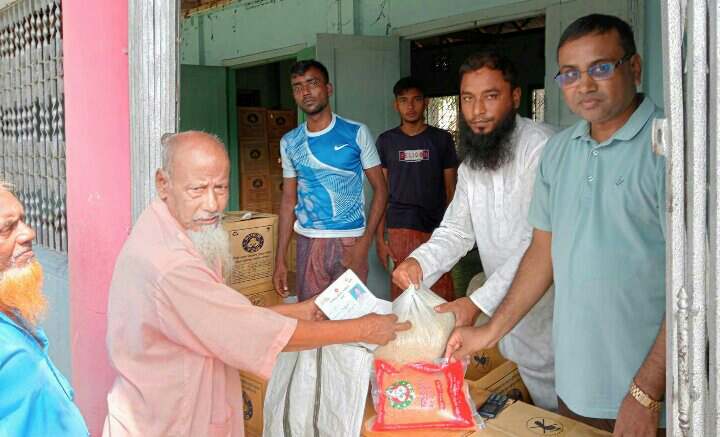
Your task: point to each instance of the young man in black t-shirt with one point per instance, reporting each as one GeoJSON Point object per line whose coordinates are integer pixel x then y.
{"type": "Point", "coordinates": [420, 166]}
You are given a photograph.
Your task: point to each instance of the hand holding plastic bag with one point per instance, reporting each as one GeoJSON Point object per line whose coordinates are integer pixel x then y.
{"type": "Point", "coordinates": [426, 339]}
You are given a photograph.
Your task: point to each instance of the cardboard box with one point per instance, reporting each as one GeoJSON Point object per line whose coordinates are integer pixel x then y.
{"type": "Point", "coordinates": [253, 393]}
{"type": "Point", "coordinates": [252, 123]}
{"type": "Point", "coordinates": [276, 187]}
{"type": "Point", "coordinates": [504, 379]}
{"type": "Point", "coordinates": [275, 162]}
{"type": "Point", "coordinates": [482, 362]}
{"type": "Point", "coordinates": [523, 420]}
{"type": "Point", "coordinates": [255, 190]}
{"type": "Point", "coordinates": [279, 122]}
{"type": "Point", "coordinates": [265, 298]}
{"type": "Point", "coordinates": [254, 158]}
{"type": "Point", "coordinates": [252, 244]}
{"type": "Point", "coordinates": [264, 207]}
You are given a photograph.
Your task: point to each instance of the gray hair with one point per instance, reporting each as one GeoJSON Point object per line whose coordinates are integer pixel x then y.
{"type": "Point", "coordinates": [170, 141]}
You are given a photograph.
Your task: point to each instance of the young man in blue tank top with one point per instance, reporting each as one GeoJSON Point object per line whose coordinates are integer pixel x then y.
{"type": "Point", "coordinates": [324, 161]}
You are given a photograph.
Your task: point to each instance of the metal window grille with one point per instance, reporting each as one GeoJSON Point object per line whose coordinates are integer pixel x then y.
{"type": "Point", "coordinates": [689, 137]}
{"type": "Point", "coordinates": [32, 128]}
{"type": "Point", "coordinates": [443, 112]}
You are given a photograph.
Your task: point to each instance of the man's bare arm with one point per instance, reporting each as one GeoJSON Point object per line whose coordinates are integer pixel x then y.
{"type": "Point", "coordinates": [359, 255]}
{"type": "Point", "coordinates": [379, 202]}
{"type": "Point", "coordinates": [383, 250]}
{"type": "Point", "coordinates": [373, 328]}
{"type": "Point", "coordinates": [450, 178]}
{"type": "Point", "coordinates": [651, 376]}
{"type": "Point", "coordinates": [633, 418]}
{"type": "Point", "coordinates": [534, 276]}
{"type": "Point", "coordinates": [285, 228]}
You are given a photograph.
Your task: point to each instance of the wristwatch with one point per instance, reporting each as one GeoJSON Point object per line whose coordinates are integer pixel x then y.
{"type": "Point", "coordinates": [643, 398]}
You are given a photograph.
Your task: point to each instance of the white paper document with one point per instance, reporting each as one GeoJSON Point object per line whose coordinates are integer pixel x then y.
{"type": "Point", "coordinates": [348, 298]}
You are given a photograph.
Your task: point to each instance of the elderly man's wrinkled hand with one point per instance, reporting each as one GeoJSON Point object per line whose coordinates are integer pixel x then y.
{"type": "Point", "coordinates": [464, 310]}
{"type": "Point", "coordinates": [407, 273]}
{"type": "Point", "coordinates": [381, 329]}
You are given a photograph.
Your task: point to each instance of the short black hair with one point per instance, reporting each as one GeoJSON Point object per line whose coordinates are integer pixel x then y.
{"type": "Point", "coordinates": [406, 84]}
{"type": "Point", "coordinates": [300, 67]}
{"type": "Point", "coordinates": [491, 58]}
{"type": "Point", "coordinates": [600, 24]}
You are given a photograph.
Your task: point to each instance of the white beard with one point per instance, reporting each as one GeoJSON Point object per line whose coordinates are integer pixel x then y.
{"type": "Point", "coordinates": [213, 244]}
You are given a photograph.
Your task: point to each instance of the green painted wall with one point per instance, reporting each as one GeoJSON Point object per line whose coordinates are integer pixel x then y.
{"type": "Point", "coordinates": [378, 17]}
{"type": "Point", "coordinates": [653, 73]}
{"type": "Point", "coordinates": [241, 29]}
{"type": "Point", "coordinates": [204, 106]}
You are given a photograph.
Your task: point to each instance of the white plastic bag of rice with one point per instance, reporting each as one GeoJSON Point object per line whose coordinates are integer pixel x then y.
{"type": "Point", "coordinates": [426, 339]}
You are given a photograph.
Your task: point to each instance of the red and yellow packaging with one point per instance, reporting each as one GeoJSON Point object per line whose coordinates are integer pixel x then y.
{"type": "Point", "coordinates": [421, 396]}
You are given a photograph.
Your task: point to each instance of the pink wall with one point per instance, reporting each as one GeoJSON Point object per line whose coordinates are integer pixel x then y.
{"type": "Point", "coordinates": [98, 177]}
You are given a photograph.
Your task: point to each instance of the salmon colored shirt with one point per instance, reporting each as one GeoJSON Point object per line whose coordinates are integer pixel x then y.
{"type": "Point", "coordinates": [177, 337]}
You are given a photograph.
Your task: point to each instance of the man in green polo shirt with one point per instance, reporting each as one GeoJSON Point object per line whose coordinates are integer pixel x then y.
{"type": "Point", "coordinates": [598, 213]}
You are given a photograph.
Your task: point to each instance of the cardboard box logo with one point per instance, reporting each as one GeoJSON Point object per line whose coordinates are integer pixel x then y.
{"type": "Point", "coordinates": [280, 120]}
{"type": "Point", "coordinates": [252, 242]}
{"type": "Point", "coordinates": [252, 118]}
{"type": "Point", "coordinates": [248, 410]}
{"type": "Point", "coordinates": [252, 237]}
{"type": "Point", "coordinates": [258, 183]}
{"type": "Point", "coordinates": [544, 426]}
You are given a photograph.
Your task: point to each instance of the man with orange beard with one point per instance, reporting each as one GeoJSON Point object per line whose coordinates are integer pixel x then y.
{"type": "Point", "coordinates": [36, 399]}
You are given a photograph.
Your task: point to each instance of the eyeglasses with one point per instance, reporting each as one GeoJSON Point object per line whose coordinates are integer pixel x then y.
{"type": "Point", "coordinates": [599, 71]}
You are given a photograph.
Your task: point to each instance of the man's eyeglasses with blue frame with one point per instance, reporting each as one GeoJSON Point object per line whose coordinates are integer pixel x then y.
{"type": "Point", "coordinates": [599, 71]}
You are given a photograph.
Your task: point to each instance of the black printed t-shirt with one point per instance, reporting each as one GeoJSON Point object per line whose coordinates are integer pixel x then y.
{"type": "Point", "coordinates": [415, 166]}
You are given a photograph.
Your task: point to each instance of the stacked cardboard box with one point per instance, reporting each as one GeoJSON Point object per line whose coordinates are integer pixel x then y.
{"type": "Point", "coordinates": [259, 134]}
{"type": "Point", "coordinates": [279, 122]}
{"type": "Point", "coordinates": [255, 188]}
{"type": "Point", "coordinates": [276, 180]}
{"type": "Point", "coordinates": [252, 244]}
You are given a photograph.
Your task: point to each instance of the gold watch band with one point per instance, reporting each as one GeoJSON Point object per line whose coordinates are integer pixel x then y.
{"type": "Point", "coordinates": [643, 398]}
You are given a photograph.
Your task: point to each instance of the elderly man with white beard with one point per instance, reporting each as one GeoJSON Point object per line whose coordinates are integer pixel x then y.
{"type": "Point", "coordinates": [35, 398]}
{"type": "Point", "coordinates": [177, 335]}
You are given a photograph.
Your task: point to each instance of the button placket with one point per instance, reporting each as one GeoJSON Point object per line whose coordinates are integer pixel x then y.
{"type": "Point", "coordinates": [594, 153]}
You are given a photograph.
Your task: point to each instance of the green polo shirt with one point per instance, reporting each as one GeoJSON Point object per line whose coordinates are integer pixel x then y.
{"type": "Point", "coordinates": [604, 204]}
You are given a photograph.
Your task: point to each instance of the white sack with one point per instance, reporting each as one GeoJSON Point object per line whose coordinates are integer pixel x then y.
{"type": "Point", "coordinates": [318, 393]}
{"type": "Point", "coordinates": [427, 338]}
